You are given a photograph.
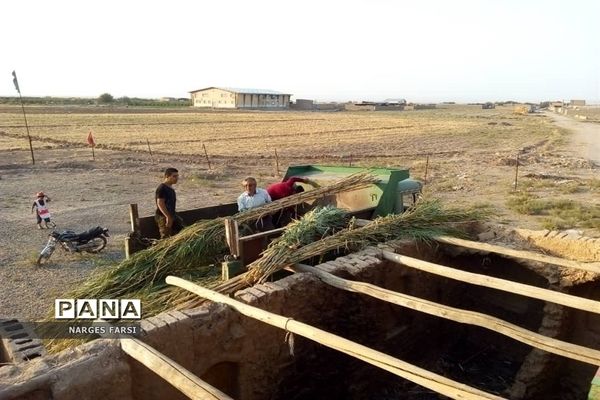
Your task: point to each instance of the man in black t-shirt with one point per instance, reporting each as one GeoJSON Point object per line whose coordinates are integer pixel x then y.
{"type": "Point", "coordinates": [169, 223]}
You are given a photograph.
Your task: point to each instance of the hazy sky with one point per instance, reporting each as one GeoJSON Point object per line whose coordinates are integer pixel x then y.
{"type": "Point", "coordinates": [326, 50]}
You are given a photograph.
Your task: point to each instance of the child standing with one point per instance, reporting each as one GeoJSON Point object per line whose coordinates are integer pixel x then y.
{"type": "Point", "coordinates": [40, 205]}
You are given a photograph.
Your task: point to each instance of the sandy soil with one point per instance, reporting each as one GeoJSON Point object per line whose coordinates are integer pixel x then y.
{"type": "Point", "coordinates": [586, 138]}
{"type": "Point", "coordinates": [87, 193]}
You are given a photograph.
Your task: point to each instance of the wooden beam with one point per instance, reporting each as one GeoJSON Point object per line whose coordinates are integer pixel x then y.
{"type": "Point", "coordinates": [398, 367]}
{"type": "Point", "coordinates": [523, 254]}
{"type": "Point", "coordinates": [129, 248]}
{"type": "Point", "coordinates": [505, 251]}
{"type": "Point", "coordinates": [232, 236]}
{"type": "Point", "coordinates": [261, 234]}
{"type": "Point", "coordinates": [551, 345]}
{"type": "Point", "coordinates": [496, 283]}
{"type": "Point", "coordinates": [176, 375]}
{"type": "Point", "coordinates": [134, 217]}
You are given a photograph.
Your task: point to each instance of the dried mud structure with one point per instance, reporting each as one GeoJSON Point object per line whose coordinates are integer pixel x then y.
{"type": "Point", "coordinates": [247, 359]}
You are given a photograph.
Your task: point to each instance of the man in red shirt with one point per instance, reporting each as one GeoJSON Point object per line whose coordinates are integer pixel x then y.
{"type": "Point", "coordinates": [283, 189]}
{"type": "Point", "coordinates": [287, 188]}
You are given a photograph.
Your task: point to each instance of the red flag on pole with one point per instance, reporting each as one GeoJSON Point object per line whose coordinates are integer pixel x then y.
{"type": "Point", "coordinates": [90, 139]}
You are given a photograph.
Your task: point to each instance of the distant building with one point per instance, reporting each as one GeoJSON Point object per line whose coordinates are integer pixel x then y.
{"type": "Point", "coordinates": [303, 104]}
{"type": "Point", "coordinates": [577, 103]}
{"type": "Point", "coordinates": [373, 106]}
{"type": "Point", "coordinates": [395, 101]}
{"type": "Point", "coordinates": [221, 97]}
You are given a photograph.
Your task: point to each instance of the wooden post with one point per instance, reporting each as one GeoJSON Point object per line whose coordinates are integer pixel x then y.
{"type": "Point", "coordinates": [350, 164]}
{"type": "Point", "coordinates": [232, 236]}
{"type": "Point", "coordinates": [516, 171]}
{"type": "Point", "coordinates": [276, 162]}
{"type": "Point", "coordinates": [150, 150]}
{"type": "Point", "coordinates": [93, 153]}
{"type": "Point", "coordinates": [134, 217]}
{"type": "Point", "coordinates": [398, 367]}
{"type": "Point", "coordinates": [534, 339]}
{"type": "Point", "coordinates": [426, 169]}
{"type": "Point", "coordinates": [552, 296]}
{"type": "Point", "coordinates": [206, 154]}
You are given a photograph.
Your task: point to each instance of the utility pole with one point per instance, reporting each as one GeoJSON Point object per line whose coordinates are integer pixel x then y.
{"type": "Point", "coordinates": [16, 82]}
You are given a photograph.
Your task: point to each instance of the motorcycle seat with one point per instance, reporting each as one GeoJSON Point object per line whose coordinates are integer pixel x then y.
{"type": "Point", "coordinates": [83, 236]}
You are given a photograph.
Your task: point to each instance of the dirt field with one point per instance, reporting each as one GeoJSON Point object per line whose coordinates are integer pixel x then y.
{"type": "Point", "coordinates": [471, 161]}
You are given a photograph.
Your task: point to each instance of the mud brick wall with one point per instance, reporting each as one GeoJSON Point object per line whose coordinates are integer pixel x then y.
{"type": "Point", "coordinates": [95, 370]}
{"type": "Point", "coordinates": [234, 352]}
{"type": "Point", "coordinates": [213, 341]}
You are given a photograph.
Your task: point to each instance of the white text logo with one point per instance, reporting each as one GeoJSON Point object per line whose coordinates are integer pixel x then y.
{"type": "Point", "coordinates": [97, 309]}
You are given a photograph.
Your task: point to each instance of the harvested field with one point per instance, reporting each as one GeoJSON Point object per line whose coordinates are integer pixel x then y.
{"type": "Point", "coordinates": [472, 161]}
{"type": "Point", "coordinates": [295, 135]}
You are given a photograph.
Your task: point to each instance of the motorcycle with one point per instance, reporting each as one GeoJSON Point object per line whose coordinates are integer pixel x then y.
{"type": "Point", "coordinates": [91, 241]}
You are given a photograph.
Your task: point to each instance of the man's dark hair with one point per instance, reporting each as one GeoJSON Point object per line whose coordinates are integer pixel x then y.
{"type": "Point", "coordinates": [170, 171]}
{"type": "Point", "coordinates": [298, 189]}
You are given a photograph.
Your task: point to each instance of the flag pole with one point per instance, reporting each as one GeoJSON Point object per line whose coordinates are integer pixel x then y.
{"type": "Point", "coordinates": [92, 142]}
{"type": "Point", "coordinates": [24, 115]}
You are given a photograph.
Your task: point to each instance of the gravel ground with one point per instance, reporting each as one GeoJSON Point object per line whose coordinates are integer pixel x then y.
{"type": "Point", "coordinates": [84, 194]}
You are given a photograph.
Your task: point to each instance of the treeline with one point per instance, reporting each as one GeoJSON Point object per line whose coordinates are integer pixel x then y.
{"type": "Point", "coordinates": [121, 101]}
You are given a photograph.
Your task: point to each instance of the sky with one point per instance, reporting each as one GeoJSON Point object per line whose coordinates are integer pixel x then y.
{"type": "Point", "coordinates": [422, 51]}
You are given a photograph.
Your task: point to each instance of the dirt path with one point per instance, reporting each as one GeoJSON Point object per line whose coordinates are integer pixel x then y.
{"type": "Point", "coordinates": [586, 138]}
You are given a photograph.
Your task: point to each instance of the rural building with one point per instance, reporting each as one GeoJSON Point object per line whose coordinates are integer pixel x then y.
{"type": "Point", "coordinates": [219, 97]}
{"type": "Point", "coordinates": [395, 101]}
{"type": "Point", "coordinates": [329, 106]}
{"type": "Point", "coordinates": [577, 103]}
{"type": "Point", "coordinates": [370, 106]}
{"type": "Point", "coordinates": [303, 104]}
{"type": "Point", "coordinates": [385, 106]}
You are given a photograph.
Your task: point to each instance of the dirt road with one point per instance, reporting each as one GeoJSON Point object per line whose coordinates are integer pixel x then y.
{"type": "Point", "coordinates": [586, 138]}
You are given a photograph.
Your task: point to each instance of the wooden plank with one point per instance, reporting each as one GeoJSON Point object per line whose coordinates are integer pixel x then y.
{"type": "Point", "coordinates": [149, 229]}
{"type": "Point", "coordinates": [523, 254]}
{"type": "Point", "coordinates": [232, 236]}
{"type": "Point", "coordinates": [398, 367]}
{"type": "Point", "coordinates": [258, 235]}
{"type": "Point", "coordinates": [172, 372]}
{"type": "Point", "coordinates": [134, 217]}
{"type": "Point", "coordinates": [496, 283]}
{"type": "Point", "coordinates": [129, 248]}
{"type": "Point", "coordinates": [551, 345]}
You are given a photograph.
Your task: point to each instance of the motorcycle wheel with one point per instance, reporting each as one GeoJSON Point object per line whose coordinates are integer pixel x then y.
{"type": "Point", "coordinates": [96, 244]}
{"type": "Point", "coordinates": [43, 257]}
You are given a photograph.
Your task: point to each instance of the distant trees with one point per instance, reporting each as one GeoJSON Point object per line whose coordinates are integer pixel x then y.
{"type": "Point", "coordinates": [102, 100]}
{"type": "Point", "coordinates": [106, 98]}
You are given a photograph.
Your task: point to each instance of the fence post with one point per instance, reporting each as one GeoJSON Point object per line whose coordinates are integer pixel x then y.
{"type": "Point", "coordinates": [516, 171]}
{"type": "Point", "coordinates": [150, 150]}
{"type": "Point", "coordinates": [207, 159]}
{"type": "Point", "coordinates": [426, 169]}
{"type": "Point", "coordinates": [277, 161]}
